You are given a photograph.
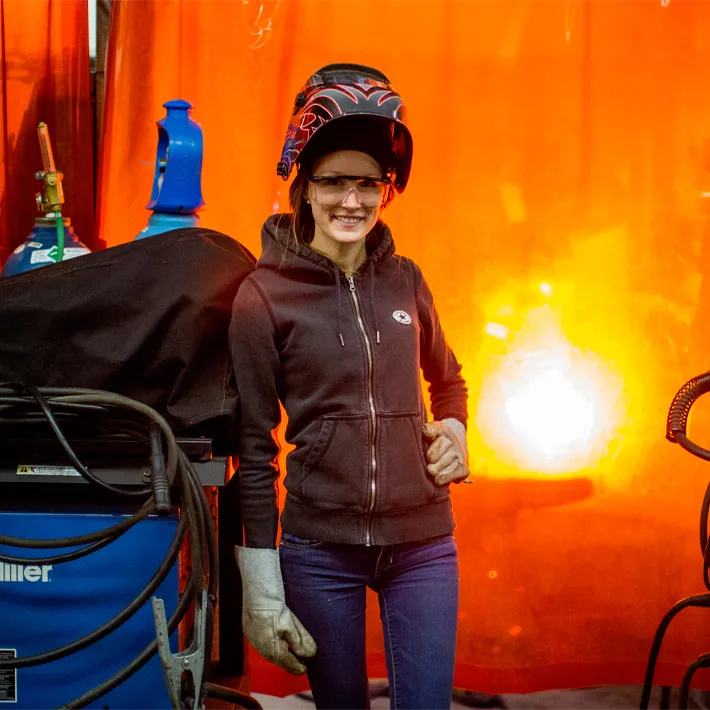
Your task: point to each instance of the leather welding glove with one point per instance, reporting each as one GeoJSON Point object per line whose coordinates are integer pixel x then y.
{"type": "Point", "coordinates": [447, 453]}
{"type": "Point", "coordinates": [269, 625]}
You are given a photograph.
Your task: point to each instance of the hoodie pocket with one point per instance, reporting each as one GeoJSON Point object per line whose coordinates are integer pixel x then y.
{"type": "Point", "coordinates": [335, 472]}
{"type": "Point", "coordinates": [404, 481]}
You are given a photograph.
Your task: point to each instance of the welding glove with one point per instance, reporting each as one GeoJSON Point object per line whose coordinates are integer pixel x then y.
{"type": "Point", "coordinates": [447, 454]}
{"type": "Point", "coordinates": [269, 625]}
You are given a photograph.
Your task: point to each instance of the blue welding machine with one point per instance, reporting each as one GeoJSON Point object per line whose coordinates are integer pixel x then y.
{"type": "Point", "coordinates": [43, 607]}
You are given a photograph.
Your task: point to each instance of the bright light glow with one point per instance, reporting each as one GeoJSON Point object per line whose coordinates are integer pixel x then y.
{"type": "Point", "coordinates": [550, 414]}
{"type": "Point", "coordinates": [545, 406]}
{"type": "Point", "coordinates": [497, 330]}
{"type": "Point", "coordinates": [545, 289]}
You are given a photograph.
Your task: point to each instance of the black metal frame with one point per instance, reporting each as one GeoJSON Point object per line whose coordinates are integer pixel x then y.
{"type": "Point", "coordinates": [676, 432]}
{"type": "Point", "coordinates": [703, 661]}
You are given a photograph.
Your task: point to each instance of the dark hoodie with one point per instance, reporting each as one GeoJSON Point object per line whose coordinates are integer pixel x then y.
{"type": "Point", "coordinates": [344, 357]}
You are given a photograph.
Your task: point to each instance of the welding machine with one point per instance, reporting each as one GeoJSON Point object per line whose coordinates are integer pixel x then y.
{"type": "Point", "coordinates": [48, 606]}
{"type": "Point", "coordinates": [61, 616]}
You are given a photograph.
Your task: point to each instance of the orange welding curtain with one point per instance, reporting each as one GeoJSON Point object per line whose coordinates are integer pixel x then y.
{"type": "Point", "coordinates": [44, 76]}
{"type": "Point", "coordinates": [557, 207]}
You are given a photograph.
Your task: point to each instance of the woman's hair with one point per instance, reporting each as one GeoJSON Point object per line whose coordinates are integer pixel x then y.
{"type": "Point", "coordinates": [302, 224]}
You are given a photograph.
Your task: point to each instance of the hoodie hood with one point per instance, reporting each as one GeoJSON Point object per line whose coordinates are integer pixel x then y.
{"type": "Point", "coordinates": [301, 262]}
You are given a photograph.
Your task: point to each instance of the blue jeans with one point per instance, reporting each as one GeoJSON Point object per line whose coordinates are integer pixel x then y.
{"type": "Point", "coordinates": [418, 588]}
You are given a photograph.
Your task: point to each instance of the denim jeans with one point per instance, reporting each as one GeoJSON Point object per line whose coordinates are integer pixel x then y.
{"type": "Point", "coordinates": [418, 588]}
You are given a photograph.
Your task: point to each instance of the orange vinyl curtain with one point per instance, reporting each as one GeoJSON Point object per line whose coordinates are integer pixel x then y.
{"type": "Point", "coordinates": [44, 76]}
{"type": "Point", "coordinates": [558, 209]}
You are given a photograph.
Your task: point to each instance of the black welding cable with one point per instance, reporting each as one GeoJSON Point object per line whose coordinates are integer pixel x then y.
{"type": "Point", "coordinates": [207, 526]}
{"type": "Point", "coordinates": [676, 432]}
{"type": "Point", "coordinates": [136, 518]}
{"type": "Point", "coordinates": [50, 418]}
{"type": "Point", "coordinates": [10, 389]}
{"type": "Point", "coordinates": [191, 511]}
{"type": "Point", "coordinates": [139, 661]}
{"type": "Point", "coordinates": [96, 396]}
{"type": "Point", "coordinates": [119, 430]}
{"type": "Point", "coordinates": [117, 400]}
{"type": "Point", "coordinates": [116, 621]}
{"type": "Point", "coordinates": [9, 402]}
{"type": "Point", "coordinates": [105, 399]}
{"type": "Point", "coordinates": [158, 481]}
{"type": "Point", "coordinates": [79, 540]}
{"type": "Point", "coordinates": [679, 411]}
{"type": "Point", "coordinates": [702, 453]}
{"type": "Point", "coordinates": [12, 404]}
{"type": "Point", "coordinates": [196, 528]}
{"type": "Point", "coordinates": [33, 420]}
{"type": "Point", "coordinates": [198, 496]}
{"type": "Point", "coordinates": [202, 539]}
{"type": "Point", "coordinates": [210, 542]}
{"type": "Point", "coordinates": [692, 448]}
{"type": "Point", "coordinates": [704, 519]}
{"type": "Point", "coordinates": [704, 546]}
{"type": "Point", "coordinates": [57, 559]}
{"type": "Point", "coordinates": [23, 415]}
{"type": "Point", "coordinates": [78, 465]}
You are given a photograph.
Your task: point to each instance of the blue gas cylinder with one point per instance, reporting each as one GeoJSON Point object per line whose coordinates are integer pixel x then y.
{"type": "Point", "coordinates": [41, 247]}
{"type": "Point", "coordinates": [160, 222]}
{"type": "Point", "coordinates": [177, 192]}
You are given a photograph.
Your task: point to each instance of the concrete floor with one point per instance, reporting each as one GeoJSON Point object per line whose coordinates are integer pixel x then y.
{"type": "Point", "coordinates": [603, 698]}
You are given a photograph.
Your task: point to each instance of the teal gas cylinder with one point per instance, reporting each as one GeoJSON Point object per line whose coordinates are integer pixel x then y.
{"type": "Point", "coordinates": [42, 247]}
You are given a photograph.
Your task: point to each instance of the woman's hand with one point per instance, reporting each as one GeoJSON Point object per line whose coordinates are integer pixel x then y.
{"type": "Point", "coordinates": [447, 453]}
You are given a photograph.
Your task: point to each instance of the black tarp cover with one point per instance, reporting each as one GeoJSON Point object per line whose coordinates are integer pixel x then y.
{"type": "Point", "coordinates": [147, 319]}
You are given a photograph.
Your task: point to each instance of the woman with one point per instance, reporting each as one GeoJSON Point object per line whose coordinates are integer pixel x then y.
{"type": "Point", "coordinates": [337, 327]}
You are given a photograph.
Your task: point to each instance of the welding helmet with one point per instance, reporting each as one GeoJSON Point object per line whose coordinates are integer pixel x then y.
{"type": "Point", "coordinates": [349, 107]}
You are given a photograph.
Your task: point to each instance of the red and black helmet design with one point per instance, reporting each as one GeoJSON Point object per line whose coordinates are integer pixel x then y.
{"type": "Point", "coordinates": [340, 91]}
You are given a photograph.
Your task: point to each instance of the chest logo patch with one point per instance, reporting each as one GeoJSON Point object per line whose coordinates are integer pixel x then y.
{"type": "Point", "coordinates": [402, 317]}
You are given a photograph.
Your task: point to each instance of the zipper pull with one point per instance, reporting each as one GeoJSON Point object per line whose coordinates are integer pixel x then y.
{"type": "Point", "coordinates": [351, 281]}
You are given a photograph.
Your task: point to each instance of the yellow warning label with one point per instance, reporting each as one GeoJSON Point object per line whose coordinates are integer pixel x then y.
{"type": "Point", "coordinates": [47, 471]}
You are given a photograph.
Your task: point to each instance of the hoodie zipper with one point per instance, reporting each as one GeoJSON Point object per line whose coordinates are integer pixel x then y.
{"type": "Point", "coordinates": [373, 457]}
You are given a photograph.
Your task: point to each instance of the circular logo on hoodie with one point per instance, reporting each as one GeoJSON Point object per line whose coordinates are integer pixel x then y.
{"type": "Point", "coordinates": [402, 317]}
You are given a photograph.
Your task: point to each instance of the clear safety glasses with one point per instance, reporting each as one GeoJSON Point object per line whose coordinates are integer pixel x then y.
{"type": "Point", "coordinates": [334, 190]}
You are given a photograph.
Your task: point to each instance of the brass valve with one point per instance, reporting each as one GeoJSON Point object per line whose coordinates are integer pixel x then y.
{"type": "Point", "coordinates": [51, 198]}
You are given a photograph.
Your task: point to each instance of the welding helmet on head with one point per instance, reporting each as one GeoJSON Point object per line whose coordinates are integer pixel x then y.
{"type": "Point", "coordinates": [349, 107]}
